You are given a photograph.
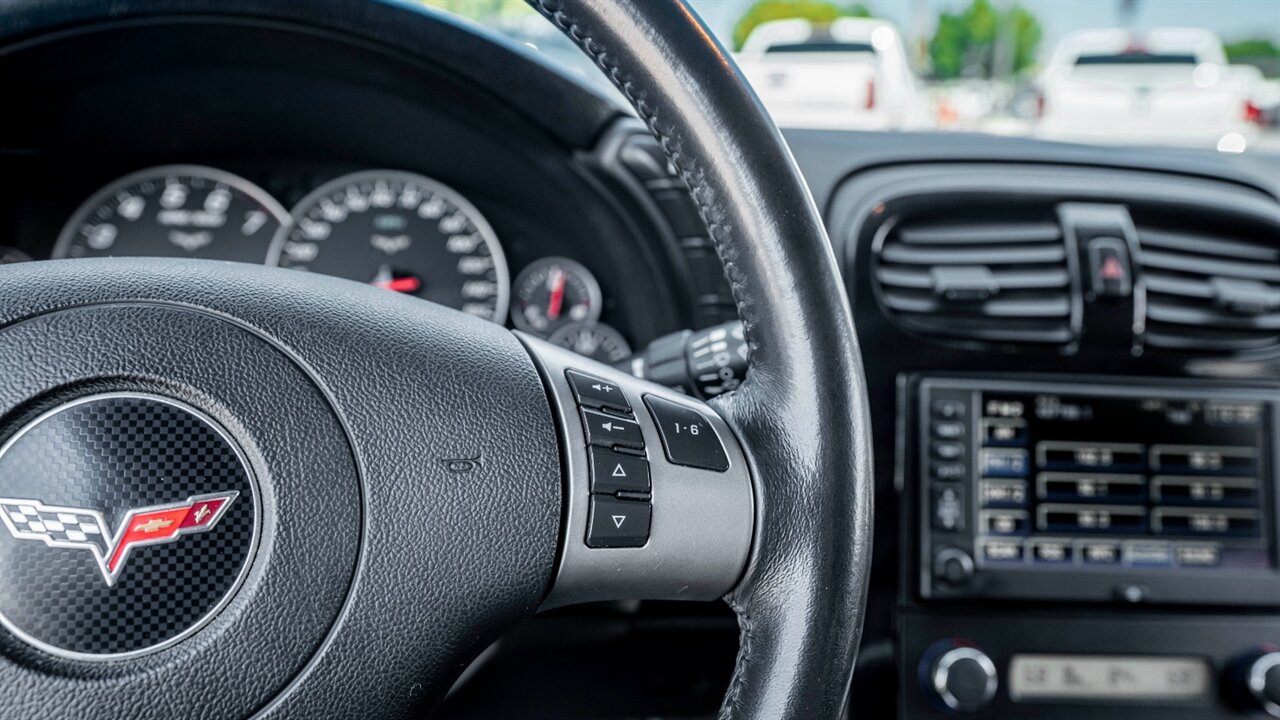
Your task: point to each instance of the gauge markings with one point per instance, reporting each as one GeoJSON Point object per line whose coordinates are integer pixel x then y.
{"type": "Point", "coordinates": [175, 211]}
{"type": "Point", "coordinates": [401, 232]}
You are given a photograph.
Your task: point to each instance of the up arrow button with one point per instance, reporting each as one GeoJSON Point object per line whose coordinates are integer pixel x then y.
{"type": "Point", "coordinates": [614, 472]}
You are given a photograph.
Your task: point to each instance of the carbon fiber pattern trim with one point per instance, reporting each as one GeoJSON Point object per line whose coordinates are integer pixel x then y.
{"type": "Point", "coordinates": [113, 455]}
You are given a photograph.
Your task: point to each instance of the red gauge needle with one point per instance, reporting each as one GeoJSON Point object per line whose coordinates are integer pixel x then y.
{"type": "Point", "coordinates": [557, 295]}
{"type": "Point", "coordinates": [401, 284]}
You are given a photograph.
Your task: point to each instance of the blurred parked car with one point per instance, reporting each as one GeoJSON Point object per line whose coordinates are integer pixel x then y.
{"type": "Point", "coordinates": [1170, 86]}
{"type": "Point", "coordinates": [852, 73]}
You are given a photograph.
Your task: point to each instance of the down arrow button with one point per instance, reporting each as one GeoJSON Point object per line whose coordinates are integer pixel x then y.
{"type": "Point", "coordinates": [618, 523]}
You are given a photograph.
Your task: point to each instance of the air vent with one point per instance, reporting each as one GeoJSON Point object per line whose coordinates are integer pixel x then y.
{"type": "Point", "coordinates": [1006, 282]}
{"type": "Point", "coordinates": [1208, 293]}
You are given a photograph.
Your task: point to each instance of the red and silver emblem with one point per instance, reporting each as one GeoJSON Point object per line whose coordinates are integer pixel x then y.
{"type": "Point", "coordinates": [87, 529]}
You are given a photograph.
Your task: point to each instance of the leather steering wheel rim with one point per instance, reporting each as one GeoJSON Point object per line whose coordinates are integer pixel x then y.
{"type": "Point", "coordinates": [802, 411]}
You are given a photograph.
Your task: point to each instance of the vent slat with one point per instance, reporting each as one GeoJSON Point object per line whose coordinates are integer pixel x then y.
{"type": "Point", "coordinates": [990, 282]}
{"type": "Point", "coordinates": [1011, 308]}
{"type": "Point", "coordinates": [1012, 233]}
{"type": "Point", "coordinates": [1201, 316]}
{"type": "Point", "coordinates": [1174, 285]}
{"type": "Point", "coordinates": [1209, 294]}
{"type": "Point", "coordinates": [1195, 244]}
{"type": "Point", "coordinates": [909, 255]}
{"type": "Point", "coordinates": [1194, 265]}
{"type": "Point", "coordinates": [1216, 342]}
{"type": "Point", "coordinates": [921, 279]}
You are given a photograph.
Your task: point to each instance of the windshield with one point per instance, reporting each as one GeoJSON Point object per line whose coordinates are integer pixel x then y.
{"type": "Point", "coordinates": [1181, 73]}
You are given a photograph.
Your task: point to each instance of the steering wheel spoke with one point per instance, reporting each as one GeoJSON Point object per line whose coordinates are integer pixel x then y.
{"type": "Point", "coordinates": [658, 495]}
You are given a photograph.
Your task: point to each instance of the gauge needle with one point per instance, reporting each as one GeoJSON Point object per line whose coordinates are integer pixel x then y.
{"type": "Point", "coordinates": [557, 294]}
{"type": "Point", "coordinates": [385, 280]}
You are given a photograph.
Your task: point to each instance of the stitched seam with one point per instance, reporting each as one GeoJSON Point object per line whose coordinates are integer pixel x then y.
{"type": "Point", "coordinates": [687, 167]}
{"type": "Point", "coordinates": [738, 681]}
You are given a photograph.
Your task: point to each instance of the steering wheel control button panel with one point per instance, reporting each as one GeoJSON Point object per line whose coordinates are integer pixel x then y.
{"type": "Point", "coordinates": [687, 435]}
{"type": "Point", "coordinates": [611, 431]}
{"type": "Point", "coordinates": [640, 523]}
{"type": "Point", "coordinates": [596, 393]}
{"type": "Point", "coordinates": [615, 473]}
{"type": "Point", "coordinates": [618, 523]}
{"type": "Point", "coordinates": [127, 521]}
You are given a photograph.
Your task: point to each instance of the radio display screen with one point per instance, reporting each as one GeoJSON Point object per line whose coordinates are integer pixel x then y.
{"type": "Point", "coordinates": [1096, 480]}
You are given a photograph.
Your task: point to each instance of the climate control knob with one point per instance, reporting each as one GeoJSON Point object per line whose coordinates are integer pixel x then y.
{"type": "Point", "coordinates": [1255, 677]}
{"type": "Point", "coordinates": [959, 677]}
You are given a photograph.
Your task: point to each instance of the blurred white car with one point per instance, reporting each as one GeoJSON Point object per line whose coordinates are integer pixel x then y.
{"type": "Point", "coordinates": [1170, 86]}
{"type": "Point", "coordinates": [851, 74]}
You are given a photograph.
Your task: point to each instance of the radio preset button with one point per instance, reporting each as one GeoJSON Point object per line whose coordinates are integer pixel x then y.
{"type": "Point", "coordinates": [1004, 463]}
{"type": "Point", "coordinates": [1198, 555]}
{"type": "Point", "coordinates": [996, 493]}
{"type": "Point", "coordinates": [1004, 432]}
{"type": "Point", "coordinates": [1002, 551]}
{"type": "Point", "coordinates": [1149, 554]}
{"type": "Point", "coordinates": [1056, 552]}
{"type": "Point", "coordinates": [1100, 553]}
{"type": "Point", "coordinates": [1004, 522]}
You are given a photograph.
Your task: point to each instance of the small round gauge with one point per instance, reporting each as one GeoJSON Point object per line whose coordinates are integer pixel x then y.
{"type": "Point", "coordinates": [401, 232]}
{"type": "Point", "coordinates": [10, 255]}
{"type": "Point", "coordinates": [175, 211]}
{"type": "Point", "coordinates": [594, 340]}
{"type": "Point", "coordinates": [554, 292]}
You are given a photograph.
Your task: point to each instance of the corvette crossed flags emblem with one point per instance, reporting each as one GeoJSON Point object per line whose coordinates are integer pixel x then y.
{"type": "Point", "coordinates": [87, 529]}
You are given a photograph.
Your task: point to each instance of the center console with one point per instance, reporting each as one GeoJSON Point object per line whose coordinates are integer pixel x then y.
{"type": "Point", "coordinates": [1082, 549]}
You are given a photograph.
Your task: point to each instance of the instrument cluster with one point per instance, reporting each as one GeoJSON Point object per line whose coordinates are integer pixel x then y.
{"type": "Point", "coordinates": [397, 230]}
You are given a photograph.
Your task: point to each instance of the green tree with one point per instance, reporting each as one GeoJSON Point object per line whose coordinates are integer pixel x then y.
{"type": "Point", "coordinates": [481, 10]}
{"type": "Point", "coordinates": [819, 12]}
{"type": "Point", "coordinates": [1263, 54]}
{"type": "Point", "coordinates": [965, 43]}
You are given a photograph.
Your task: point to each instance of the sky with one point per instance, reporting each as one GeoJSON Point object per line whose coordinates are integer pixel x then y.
{"type": "Point", "coordinates": [1231, 19]}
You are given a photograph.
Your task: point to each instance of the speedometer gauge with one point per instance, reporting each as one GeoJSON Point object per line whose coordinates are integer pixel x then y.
{"type": "Point", "coordinates": [401, 232]}
{"type": "Point", "coordinates": [175, 211]}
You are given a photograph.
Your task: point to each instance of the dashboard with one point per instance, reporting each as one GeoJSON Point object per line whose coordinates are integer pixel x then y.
{"type": "Point", "coordinates": [334, 156]}
{"type": "Point", "coordinates": [396, 230]}
{"type": "Point", "coordinates": [1072, 353]}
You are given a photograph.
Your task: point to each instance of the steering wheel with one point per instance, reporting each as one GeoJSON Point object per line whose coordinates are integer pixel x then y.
{"type": "Point", "coordinates": [229, 490]}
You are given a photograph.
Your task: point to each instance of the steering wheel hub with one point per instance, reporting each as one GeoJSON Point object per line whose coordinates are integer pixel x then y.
{"type": "Point", "coordinates": [131, 520]}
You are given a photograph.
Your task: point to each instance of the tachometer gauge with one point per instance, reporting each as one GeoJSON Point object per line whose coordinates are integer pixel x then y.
{"type": "Point", "coordinates": [175, 211]}
{"type": "Point", "coordinates": [554, 292]}
{"type": "Point", "coordinates": [594, 340]}
{"type": "Point", "coordinates": [401, 232]}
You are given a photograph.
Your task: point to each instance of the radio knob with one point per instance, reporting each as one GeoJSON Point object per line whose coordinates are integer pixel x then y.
{"type": "Point", "coordinates": [962, 679]}
{"type": "Point", "coordinates": [953, 566]}
{"type": "Point", "coordinates": [1256, 677]}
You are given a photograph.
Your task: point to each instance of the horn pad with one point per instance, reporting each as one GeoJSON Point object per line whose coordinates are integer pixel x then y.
{"type": "Point", "coordinates": [152, 455]}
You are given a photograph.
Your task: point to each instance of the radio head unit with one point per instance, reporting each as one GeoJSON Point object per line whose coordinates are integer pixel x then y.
{"type": "Point", "coordinates": [1074, 492]}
